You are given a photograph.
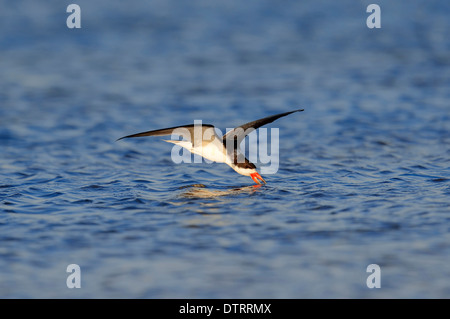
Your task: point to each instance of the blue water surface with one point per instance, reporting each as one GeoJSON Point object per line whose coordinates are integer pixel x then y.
{"type": "Point", "coordinates": [364, 173]}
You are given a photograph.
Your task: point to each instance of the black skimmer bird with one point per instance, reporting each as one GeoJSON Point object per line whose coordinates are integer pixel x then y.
{"type": "Point", "coordinates": [202, 139]}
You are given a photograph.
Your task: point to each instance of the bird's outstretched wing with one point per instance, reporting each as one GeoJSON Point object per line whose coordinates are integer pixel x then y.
{"type": "Point", "coordinates": [195, 133]}
{"type": "Point", "coordinates": [239, 133]}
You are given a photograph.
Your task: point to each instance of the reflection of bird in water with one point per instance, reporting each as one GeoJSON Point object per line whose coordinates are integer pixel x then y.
{"type": "Point", "coordinates": [200, 191]}
{"type": "Point", "coordinates": [209, 145]}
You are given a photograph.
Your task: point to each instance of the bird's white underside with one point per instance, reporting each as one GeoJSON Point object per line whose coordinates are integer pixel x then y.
{"type": "Point", "coordinates": [214, 151]}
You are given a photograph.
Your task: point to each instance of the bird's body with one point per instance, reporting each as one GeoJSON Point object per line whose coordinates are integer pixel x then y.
{"type": "Point", "coordinates": [204, 141]}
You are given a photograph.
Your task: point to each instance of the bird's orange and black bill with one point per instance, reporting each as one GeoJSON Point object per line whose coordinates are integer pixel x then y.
{"type": "Point", "coordinates": [256, 176]}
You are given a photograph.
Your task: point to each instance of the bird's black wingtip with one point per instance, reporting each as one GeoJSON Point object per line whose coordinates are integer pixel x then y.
{"type": "Point", "coordinates": [128, 136]}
